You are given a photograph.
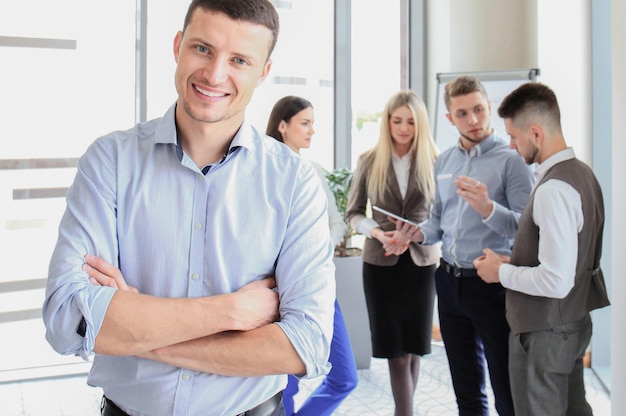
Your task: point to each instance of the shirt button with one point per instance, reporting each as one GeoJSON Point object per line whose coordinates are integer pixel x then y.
{"type": "Point", "coordinates": [200, 177]}
{"type": "Point", "coordinates": [186, 377]}
{"type": "Point", "coordinates": [195, 276]}
{"type": "Point", "coordinates": [198, 226]}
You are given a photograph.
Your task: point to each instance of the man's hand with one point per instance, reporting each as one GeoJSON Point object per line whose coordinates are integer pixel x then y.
{"type": "Point", "coordinates": [102, 273]}
{"type": "Point", "coordinates": [488, 266]}
{"type": "Point", "coordinates": [252, 306]}
{"type": "Point", "coordinates": [475, 193]}
{"type": "Point", "coordinates": [255, 304]}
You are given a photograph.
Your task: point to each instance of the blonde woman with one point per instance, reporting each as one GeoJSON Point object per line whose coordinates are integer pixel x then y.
{"type": "Point", "coordinates": [398, 276]}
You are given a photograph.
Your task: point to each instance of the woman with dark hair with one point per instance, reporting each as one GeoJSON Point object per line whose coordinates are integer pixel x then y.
{"type": "Point", "coordinates": [291, 122]}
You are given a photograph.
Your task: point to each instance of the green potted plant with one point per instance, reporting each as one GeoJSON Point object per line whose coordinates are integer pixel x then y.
{"type": "Point", "coordinates": [339, 181]}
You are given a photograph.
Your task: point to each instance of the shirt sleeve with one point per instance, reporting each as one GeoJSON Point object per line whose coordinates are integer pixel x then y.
{"type": "Point", "coordinates": [71, 300]}
{"type": "Point", "coordinates": [517, 187]}
{"type": "Point", "coordinates": [365, 226]}
{"type": "Point", "coordinates": [431, 229]}
{"type": "Point", "coordinates": [357, 201]}
{"type": "Point", "coordinates": [305, 275]}
{"type": "Point", "coordinates": [337, 225]}
{"type": "Point", "coordinates": [557, 211]}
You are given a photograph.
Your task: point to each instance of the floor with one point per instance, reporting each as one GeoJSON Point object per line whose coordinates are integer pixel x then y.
{"type": "Point", "coordinates": [70, 396]}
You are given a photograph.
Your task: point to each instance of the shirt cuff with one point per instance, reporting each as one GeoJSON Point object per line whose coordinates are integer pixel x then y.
{"type": "Point", "coordinates": [365, 227]}
{"type": "Point", "coordinates": [493, 209]}
{"type": "Point", "coordinates": [504, 274]}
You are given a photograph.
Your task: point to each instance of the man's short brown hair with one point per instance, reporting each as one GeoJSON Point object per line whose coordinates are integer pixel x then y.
{"type": "Point", "coordinates": [260, 12]}
{"type": "Point", "coordinates": [462, 85]}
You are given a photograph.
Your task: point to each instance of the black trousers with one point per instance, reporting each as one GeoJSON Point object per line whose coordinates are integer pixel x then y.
{"type": "Point", "coordinates": [474, 329]}
{"type": "Point", "coordinates": [108, 408]}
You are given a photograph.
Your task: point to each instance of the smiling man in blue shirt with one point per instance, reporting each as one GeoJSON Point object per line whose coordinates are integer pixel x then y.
{"type": "Point", "coordinates": [197, 212]}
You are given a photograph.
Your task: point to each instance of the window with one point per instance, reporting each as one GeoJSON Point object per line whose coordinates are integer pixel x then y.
{"type": "Point", "coordinates": [72, 79]}
{"type": "Point", "coordinates": [303, 65]}
{"type": "Point", "coordinates": [65, 81]}
{"type": "Point", "coordinates": [376, 67]}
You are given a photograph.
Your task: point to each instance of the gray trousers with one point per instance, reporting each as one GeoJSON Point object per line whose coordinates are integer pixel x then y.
{"type": "Point", "coordinates": [546, 370]}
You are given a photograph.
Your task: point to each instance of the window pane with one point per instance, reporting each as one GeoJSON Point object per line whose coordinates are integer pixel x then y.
{"type": "Point", "coordinates": [66, 80]}
{"type": "Point", "coordinates": [376, 67]}
{"type": "Point", "coordinates": [165, 19]}
{"type": "Point", "coordinates": [302, 64]}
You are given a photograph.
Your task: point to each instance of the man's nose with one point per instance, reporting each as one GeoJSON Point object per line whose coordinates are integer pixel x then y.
{"type": "Point", "coordinates": [216, 71]}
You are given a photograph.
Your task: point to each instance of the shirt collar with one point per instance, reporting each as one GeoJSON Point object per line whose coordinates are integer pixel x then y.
{"type": "Point", "coordinates": [166, 133]}
{"type": "Point", "coordinates": [404, 158]}
{"type": "Point", "coordinates": [558, 157]}
{"type": "Point", "coordinates": [484, 146]}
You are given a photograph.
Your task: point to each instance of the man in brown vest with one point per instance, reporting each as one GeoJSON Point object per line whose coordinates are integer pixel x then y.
{"type": "Point", "coordinates": [553, 277]}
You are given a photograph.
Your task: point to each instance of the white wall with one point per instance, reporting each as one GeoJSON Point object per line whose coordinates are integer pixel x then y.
{"type": "Point", "coordinates": [490, 34]}
{"type": "Point", "coordinates": [478, 35]}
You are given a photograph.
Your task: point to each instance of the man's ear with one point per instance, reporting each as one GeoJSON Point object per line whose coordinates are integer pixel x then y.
{"type": "Point", "coordinates": [177, 41]}
{"type": "Point", "coordinates": [537, 133]}
{"type": "Point", "coordinates": [449, 117]}
{"type": "Point", "coordinates": [265, 73]}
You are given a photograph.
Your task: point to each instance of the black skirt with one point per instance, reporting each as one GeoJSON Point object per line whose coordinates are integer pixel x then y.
{"type": "Point", "coordinates": [400, 301]}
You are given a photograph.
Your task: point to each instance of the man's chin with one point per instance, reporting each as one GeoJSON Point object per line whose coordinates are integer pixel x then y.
{"type": "Point", "coordinates": [207, 116]}
{"type": "Point", "coordinates": [474, 138]}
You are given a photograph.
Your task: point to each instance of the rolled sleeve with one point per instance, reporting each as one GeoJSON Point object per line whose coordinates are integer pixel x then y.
{"type": "Point", "coordinates": [70, 297]}
{"type": "Point", "coordinates": [518, 183]}
{"type": "Point", "coordinates": [307, 282]}
{"type": "Point", "coordinates": [63, 313]}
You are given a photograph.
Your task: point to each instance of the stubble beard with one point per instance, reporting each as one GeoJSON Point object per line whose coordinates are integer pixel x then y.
{"type": "Point", "coordinates": [532, 155]}
{"type": "Point", "coordinates": [195, 116]}
{"type": "Point", "coordinates": [488, 132]}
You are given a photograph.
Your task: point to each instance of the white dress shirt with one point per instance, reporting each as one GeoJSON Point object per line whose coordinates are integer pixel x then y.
{"type": "Point", "coordinates": [557, 211]}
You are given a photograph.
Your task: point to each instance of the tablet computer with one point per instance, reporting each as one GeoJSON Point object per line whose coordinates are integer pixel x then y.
{"type": "Point", "coordinates": [392, 215]}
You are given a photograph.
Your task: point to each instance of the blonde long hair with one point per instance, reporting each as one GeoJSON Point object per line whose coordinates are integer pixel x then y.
{"type": "Point", "coordinates": [423, 149]}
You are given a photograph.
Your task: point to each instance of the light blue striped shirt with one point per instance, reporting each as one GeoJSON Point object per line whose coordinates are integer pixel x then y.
{"type": "Point", "coordinates": [462, 231]}
{"type": "Point", "coordinates": [141, 203]}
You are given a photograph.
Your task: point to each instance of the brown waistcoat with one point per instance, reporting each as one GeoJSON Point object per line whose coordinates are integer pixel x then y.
{"type": "Point", "coordinates": [527, 313]}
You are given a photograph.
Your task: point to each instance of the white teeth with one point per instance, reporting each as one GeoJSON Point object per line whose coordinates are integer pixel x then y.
{"type": "Point", "coordinates": [208, 93]}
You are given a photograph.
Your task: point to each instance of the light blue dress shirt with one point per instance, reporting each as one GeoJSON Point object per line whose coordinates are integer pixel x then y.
{"type": "Point", "coordinates": [462, 231]}
{"type": "Point", "coordinates": [139, 202]}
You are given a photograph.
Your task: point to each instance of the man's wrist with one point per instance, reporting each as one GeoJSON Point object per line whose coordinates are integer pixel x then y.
{"type": "Point", "coordinates": [491, 207]}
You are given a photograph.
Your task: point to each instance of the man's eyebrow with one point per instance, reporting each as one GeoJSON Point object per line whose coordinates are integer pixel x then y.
{"type": "Point", "coordinates": [198, 40]}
